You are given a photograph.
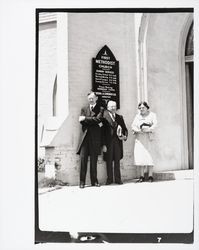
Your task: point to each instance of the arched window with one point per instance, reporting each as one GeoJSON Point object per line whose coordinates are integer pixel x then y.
{"type": "Point", "coordinates": [189, 48]}
{"type": "Point", "coordinates": [55, 97]}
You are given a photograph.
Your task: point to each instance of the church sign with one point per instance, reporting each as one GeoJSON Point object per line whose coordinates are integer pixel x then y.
{"type": "Point", "coordinates": [106, 76]}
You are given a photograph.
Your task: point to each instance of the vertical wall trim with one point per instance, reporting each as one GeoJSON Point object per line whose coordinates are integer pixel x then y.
{"type": "Point", "coordinates": [62, 65]}
{"type": "Point", "coordinates": [143, 57]}
{"type": "Point", "coordinates": [138, 18]}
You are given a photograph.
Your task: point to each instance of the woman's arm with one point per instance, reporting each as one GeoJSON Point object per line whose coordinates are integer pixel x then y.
{"type": "Point", "coordinates": [154, 122]}
{"type": "Point", "coordinates": [135, 125]}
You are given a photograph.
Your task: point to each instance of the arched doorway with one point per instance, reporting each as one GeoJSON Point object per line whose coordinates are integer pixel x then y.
{"type": "Point", "coordinates": [189, 71]}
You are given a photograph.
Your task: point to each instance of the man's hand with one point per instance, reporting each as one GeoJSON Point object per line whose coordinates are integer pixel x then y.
{"type": "Point", "coordinates": [104, 149]}
{"type": "Point", "coordinates": [82, 118]}
{"type": "Point", "coordinates": [123, 137]}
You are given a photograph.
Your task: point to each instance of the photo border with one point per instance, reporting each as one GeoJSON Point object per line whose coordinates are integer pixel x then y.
{"type": "Point", "coordinates": [65, 237]}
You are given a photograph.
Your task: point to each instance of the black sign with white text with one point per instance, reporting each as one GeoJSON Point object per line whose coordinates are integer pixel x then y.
{"type": "Point", "coordinates": [106, 76]}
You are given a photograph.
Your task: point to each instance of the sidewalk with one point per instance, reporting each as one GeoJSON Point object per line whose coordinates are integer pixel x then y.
{"type": "Point", "coordinates": [158, 207]}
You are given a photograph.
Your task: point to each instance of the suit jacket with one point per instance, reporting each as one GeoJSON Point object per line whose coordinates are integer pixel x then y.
{"type": "Point", "coordinates": [110, 130]}
{"type": "Point", "coordinates": [91, 127]}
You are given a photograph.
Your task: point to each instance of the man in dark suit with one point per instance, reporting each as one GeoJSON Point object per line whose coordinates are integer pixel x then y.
{"type": "Point", "coordinates": [91, 140]}
{"type": "Point", "coordinates": [115, 132]}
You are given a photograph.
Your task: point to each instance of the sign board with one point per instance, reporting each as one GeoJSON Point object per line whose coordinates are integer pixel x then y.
{"type": "Point", "coordinates": [106, 76]}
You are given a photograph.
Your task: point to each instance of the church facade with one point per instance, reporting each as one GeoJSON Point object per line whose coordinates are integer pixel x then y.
{"type": "Point", "coordinates": [155, 55]}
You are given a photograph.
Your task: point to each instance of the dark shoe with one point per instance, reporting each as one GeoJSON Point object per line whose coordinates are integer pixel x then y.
{"type": "Point", "coordinates": [141, 179]}
{"type": "Point", "coordinates": [150, 179]}
{"type": "Point", "coordinates": [119, 182]}
{"type": "Point", "coordinates": [108, 183]}
{"type": "Point", "coordinates": [95, 184]}
{"type": "Point", "coordinates": [81, 185]}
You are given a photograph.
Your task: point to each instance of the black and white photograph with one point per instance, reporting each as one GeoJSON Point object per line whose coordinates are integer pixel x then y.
{"type": "Point", "coordinates": [99, 131]}
{"type": "Point", "coordinates": [115, 124]}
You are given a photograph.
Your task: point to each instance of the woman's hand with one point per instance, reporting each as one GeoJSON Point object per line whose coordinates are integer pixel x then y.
{"type": "Point", "coordinates": [146, 129]}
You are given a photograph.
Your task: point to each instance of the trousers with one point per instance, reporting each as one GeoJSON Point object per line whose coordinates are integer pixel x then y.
{"type": "Point", "coordinates": [86, 151]}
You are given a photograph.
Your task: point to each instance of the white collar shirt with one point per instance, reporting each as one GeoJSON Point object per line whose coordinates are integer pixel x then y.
{"type": "Point", "coordinates": [112, 116]}
{"type": "Point", "coordinates": [92, 107]}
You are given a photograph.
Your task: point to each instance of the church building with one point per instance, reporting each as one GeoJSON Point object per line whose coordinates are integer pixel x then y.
{"type": "Point", "coordinates": [154, 55]}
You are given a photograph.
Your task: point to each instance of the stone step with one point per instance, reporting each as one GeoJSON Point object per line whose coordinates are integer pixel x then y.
{"type": "Point", "coordinates": [174, 175]}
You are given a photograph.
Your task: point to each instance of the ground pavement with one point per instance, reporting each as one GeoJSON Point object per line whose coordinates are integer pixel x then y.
{"type": "Point", "coordinates": [158, 207]}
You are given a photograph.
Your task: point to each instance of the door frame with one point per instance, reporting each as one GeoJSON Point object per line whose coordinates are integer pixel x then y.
{"type": "Point", "coordinates": [183, 81]}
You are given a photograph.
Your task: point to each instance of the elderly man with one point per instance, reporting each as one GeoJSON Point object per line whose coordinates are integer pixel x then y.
{"type": "Point", "coordinates": [115, 132]}
{"type": "Point", "coordinates": [91, 139]}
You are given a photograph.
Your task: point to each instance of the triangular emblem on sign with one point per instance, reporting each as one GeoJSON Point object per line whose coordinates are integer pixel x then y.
{"type": "Point", "coordinates": [105, 51]}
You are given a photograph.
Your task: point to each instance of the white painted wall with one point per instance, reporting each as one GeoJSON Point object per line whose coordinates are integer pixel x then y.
{"type": "Point", "coordinates": [87, 36]}
{"type": "Point", "coordinates": [165, 88]}
{"type": "Point", "coordinates": [47, 60]}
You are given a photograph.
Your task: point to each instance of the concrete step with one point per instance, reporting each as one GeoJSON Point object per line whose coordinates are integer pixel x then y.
{"type": "Point", "coordinates": [174, 175]}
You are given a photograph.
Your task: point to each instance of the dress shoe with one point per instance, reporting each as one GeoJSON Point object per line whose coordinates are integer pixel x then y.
{"type": "Point", "coordinates": [150, 179]}
{"type": "Point", "coordinates": [141, 179]}
{"type": "Point", "coordinates": [119, 182]}
{"type": "Point", "coordinates": [108, 183]}
{"type": "Point", "coordinates": [81, 185]}
{"type": "Point", "coordinates": [96, 184]}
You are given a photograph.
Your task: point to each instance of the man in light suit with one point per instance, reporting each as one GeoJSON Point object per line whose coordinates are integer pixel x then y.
{"type": "Point", "coordinates": [91, 139]}
{"type": "Point", "coordinates": [115, 132]}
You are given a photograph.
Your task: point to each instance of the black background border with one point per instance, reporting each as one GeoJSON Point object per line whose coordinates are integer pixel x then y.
{"type": "Point", "coordinates": [64, 237]}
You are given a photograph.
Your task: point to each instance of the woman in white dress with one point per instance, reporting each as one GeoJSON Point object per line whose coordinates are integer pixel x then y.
{"type": "Point", "coordinates": [143, 128]}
